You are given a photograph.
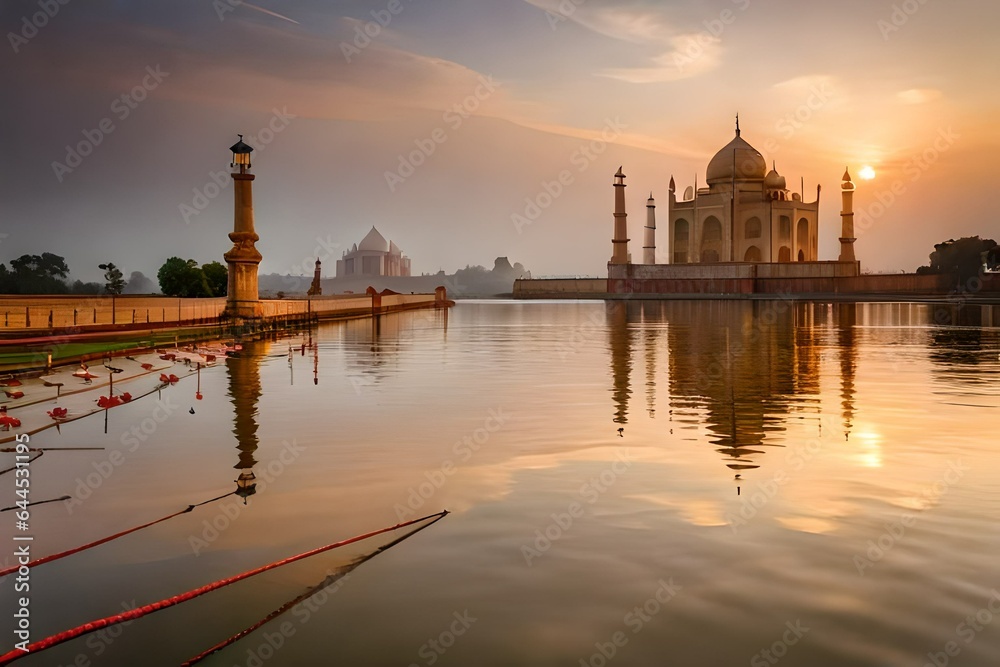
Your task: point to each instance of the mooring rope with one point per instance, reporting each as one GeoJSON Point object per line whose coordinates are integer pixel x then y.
{"type": "Point", "coordinates": [336, 576]}
{"type": "Point", "coordinates": [133, 614]}
{"type": "Point", "coordinates": [49, 559]}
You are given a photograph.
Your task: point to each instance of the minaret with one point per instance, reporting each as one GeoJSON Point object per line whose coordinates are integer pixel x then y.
{"type": "Point", "coordinates": [316, 289]}
{"type": "Point", "coordinates": [619, 243]}
{"type": "Point", "coordinates": [242, 299]}
{"type": "Point", "coordinates": [847, 217]}
{"type": "Point", "coordinates": [649, 234]}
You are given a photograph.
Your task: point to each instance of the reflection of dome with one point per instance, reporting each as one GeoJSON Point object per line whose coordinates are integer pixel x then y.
{"type": "Point", "coordinates": [374, 241]}
{"type": "Point", "coordinates": [749, 163]}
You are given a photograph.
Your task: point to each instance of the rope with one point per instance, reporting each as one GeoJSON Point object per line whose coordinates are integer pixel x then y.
{"type": "Point", "coordinates": [49, 559]}
{"type": "Point", "coordinates": [336, 576]}
{"type": "Point", "coordinates": [139, 612]}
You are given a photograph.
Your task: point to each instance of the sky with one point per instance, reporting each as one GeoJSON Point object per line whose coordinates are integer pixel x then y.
{"type": "Point", "coordinates": [470, 129]}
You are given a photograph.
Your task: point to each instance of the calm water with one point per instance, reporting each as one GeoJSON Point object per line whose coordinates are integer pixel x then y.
{"type": "Point", "coordinates": [680, 483]}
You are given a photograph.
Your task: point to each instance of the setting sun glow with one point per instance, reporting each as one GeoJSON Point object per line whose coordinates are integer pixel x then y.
{"type": "Point", "coordinates": [867, 172]}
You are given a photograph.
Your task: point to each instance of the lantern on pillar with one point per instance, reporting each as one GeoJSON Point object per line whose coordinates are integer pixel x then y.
{"type": "Point", "coordinates": [241, 155]}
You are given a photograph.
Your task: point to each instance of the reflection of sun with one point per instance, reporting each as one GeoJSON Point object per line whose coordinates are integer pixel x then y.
{"type": "Point", "coordinates": [867, 172]}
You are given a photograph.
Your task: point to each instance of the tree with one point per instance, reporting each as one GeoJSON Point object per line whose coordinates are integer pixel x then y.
{"type": "Point", "coordinates": [138, 283]}
{"type": "Point", "coordinates": [180, 277]}
{"type": "Point", "coordinates": [37, 274]}
{"type": "Point", "coordinates": [964, 258]}
{"type": "Point", "coordinates": [217, 276]}
{"type": "Point", "coordinates": [114, 283]}
{"type": "Point", "coordinates": [80, 287]}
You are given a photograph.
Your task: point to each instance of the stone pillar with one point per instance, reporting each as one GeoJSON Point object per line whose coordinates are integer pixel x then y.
{"type": "Point", "coordinates": [619, 243]}
{"type": "Point", "coordinates": [316, 289]}
{"type": "Point", "coordinates": [847, 238]}
{"type": "Point", "coordinates": [244, 258]}
{"type": "Point", "coordinates": [649, 234]}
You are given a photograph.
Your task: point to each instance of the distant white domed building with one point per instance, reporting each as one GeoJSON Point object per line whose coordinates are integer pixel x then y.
{"type": "Point", "coordinates": [374, 256]}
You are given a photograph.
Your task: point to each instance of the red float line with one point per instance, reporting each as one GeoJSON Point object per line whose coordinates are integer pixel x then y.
{"type": "Point", "coordinates": [336, 576]}
{"type": "Point", "coordinates": [139, 612]}
{"type": "Point", "coordinates": [49, 559]}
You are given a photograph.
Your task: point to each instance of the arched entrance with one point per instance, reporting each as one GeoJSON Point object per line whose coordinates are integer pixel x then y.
{"type": "Point", "coordinates": [682, 232]}
{"type": "Point", "coordinates": [711, 239]}
{"type": "Point", "coordinates": [802, 238]}
{"type": "Point", "coordinates": [752, 254]}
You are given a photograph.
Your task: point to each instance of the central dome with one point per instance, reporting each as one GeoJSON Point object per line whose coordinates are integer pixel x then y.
{"type": "Point", "coordinates": [747, 161]}
{"type": "Point", "coordinates": [374, 242]}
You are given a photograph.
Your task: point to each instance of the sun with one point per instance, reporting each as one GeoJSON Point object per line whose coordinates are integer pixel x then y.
{"type": "Point", "coordinates": [867, 172]}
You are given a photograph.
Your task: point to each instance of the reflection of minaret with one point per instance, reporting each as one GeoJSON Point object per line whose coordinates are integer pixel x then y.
{"type": "Point", "coordinates": [650, 317]}
{"type": "Point", "coordinates": [244, 392]}
{"type": "Point", "coordinates": [621, 358]}
{"type": "Point", "coordinates": [847, 318]}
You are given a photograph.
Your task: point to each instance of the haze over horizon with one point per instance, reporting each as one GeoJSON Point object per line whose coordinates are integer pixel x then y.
{"type": "Point", "coordinates": [495, 100]}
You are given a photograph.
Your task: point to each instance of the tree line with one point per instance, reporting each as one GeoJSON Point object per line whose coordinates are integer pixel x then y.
{"type": "Point", "coordinates": [48, 273]}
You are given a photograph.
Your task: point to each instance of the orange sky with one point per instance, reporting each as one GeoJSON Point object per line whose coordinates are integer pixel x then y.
{"type": "Point", "coordinates": [493, 100]}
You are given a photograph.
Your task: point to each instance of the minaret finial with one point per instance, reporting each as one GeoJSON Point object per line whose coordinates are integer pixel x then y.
{"type": "Point", "coordinates": [737, 124]}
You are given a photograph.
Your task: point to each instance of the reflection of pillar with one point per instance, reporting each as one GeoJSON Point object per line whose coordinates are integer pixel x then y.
{"type": "Point", "coordinates": [650, 316]}
{"type": "Point", "coordinates": [619, 243]}
{"type": "Point", "coordinates": [847, 220]}
{"type": "Point", "coordinates": [621, 358]}
{"type": "Point", "coordinates": [847, 318]}
{"type": "Point", "coordinates": [244, 392]}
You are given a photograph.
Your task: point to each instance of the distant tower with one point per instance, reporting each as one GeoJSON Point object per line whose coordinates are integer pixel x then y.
{"type": "Point", "coordinates": [243, 259]}
{"type": "Point", "coordinates": [847, 216]}
{"type": "Point", "coordinates": [316, 289]}
{"type": "Point", "coordinates": [619, 243]}
{"type": "Point", "coordinates": [649, 234]}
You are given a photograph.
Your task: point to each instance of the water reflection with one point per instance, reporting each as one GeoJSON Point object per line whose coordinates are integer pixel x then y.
{"type": "Point", "coordinates": [740, 368]}
{"type": "Point", "coordinates": [619, 314]}
{"type": "Point", "coordinates": [243, 372]}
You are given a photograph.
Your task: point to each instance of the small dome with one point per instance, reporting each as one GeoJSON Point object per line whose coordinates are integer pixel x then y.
{"type": "Point", "coordinates": [374, 242]}
{"type": "Point", "coordinates": [748, 162]}
{"type": "Point", "coordinates": [394, 249]}
{"type": "Point", "coordinates": [774, 181]}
